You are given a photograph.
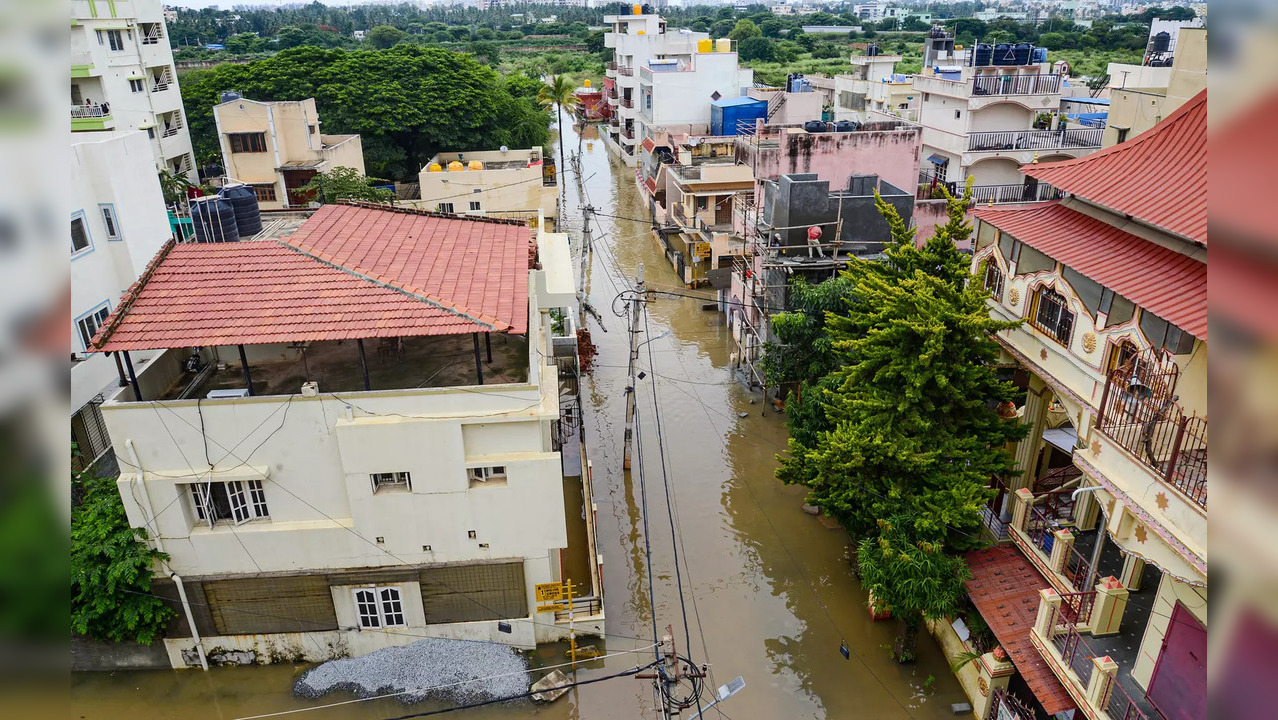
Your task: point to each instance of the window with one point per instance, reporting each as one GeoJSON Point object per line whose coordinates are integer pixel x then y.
{"type": "Point", "coordinates": [150, 133]}
{"type": "Point", "coordinates": [1122, 135]}
{"type": "Point", "coordinates": [89, 324]}
{"type": "Point", "coordinates": [247, 142]}
{"type": "Point", "coordinates": [474, 205]}
{"type": "Point", "coordinates": [1118, 308]}
{"type": "Point", "coordinates": [958, 114]}
{"type": "Point", "coordinates": [985, 236]}
{"type": "Point", "coordinates": [445, 208]}
{"type": "Point", "coordinates": [114, 39]}
{"type": "Point", "coordinates": [1163, 334]}
{"type": "Point", "coordinates": [1087, 289]}
{"type": "Point", "coordinates": [486, 474]}
{"type": "Point", "coordinates": [1120, 355]}
{"type": "Point", "coordinates": [80, 240]}
{"type": "Point", "coordinates": [108, 219]}
{"type": "Point", "coordinates": [235, 501]}
{"type": "Point", "coordinates": [1051, 314]}
{"type": "Point", "coordinates": [137, 86]}
{"type": "Point", "coordinates": [265, 192]}
{"type": "Point", "coordinates": [994, 279]}
{"type": "Point", "coordinates": [382, 481]}
{"type": "Point", "coordinates": [379, 607]}
{"type": "Point", "coordinates": [701, 203]}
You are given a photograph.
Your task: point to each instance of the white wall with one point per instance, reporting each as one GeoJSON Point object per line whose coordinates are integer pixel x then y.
{"type": "Point", "coordinates": [1001, 116]}
{"type": "Point", "coordinates": [684, 97]}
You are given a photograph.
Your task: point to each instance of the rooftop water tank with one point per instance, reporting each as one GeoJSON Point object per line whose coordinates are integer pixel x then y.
{"type": "Point", "coordinates": [723, 45]}
{"type": "Point", "coordinates": [455, 166]}
{"type": "Point", "coordinates": [814, 126]}
{"type": "Point", "coordinates": [585, 83]}
{"type": "Point", "coordinates": [872, 50]}
{"type": "Point", "coordinates": [230, 95]}
{"type": "Point", "coordinates": [636, 9]}
{"type": "Point", "coordinates": [248, 216]}
{"type": "Point", "coordinates": [1039, 55]}
{"type": "Point", "coordinates": [1004, 54]}
{"type": "Point", "coordinates": [1162, 42]}
{"type": "Point", "coordinates": [214, 220]}
{"type": "Point", "coordinates": [475, 165]}
{"type": "Point", "coordinates": [435, 167]}
{"type": "Point", "coordinates": [705, 45]}
{"type": "Point", "coordinates": [846, 126]}
{"type": "Point", "coordinates": [984, 54]}
{"type": "Point", "coordinates": [1022, 52]}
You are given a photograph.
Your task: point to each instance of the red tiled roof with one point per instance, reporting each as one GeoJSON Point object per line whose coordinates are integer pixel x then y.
{"type": "Point", "coordinates": [1004, 587]}
{"type": "Point", "coordinates": [1167, 283]}
{"type": "Point", "coordinates": [389, 274]}
{"type": "Point", "coordinates": [1159, 177]}
{"type": "Point", "coordinates": [648, 144]}
{"type": "Point", "coordinates": [651, 184]}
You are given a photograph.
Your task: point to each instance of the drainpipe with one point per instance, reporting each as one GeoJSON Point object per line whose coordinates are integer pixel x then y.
{"type": "Point", "coordinates": [149, 518]}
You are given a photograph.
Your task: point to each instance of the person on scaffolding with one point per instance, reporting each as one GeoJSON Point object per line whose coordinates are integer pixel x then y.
{"type": "Point", "coordinates": [814, 241]}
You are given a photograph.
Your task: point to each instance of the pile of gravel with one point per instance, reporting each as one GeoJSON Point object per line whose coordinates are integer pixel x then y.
{"type": "Point", "coordinates": [430, 668]}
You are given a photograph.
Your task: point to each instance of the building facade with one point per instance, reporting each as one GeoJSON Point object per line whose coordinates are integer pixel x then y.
{"type": "Point", "coordinates": [497, 183]}
{"type": "Point", "coordinates": [277, 147]}
{"type": "Point", "coordinates": [362, 489]}
{"type": "Point", "coordinates": [1142, 95]}
{"type": "Point", "coordinates": [118, 223]}
{"type": "Point", "coordinates": [1107, 519]}
{"type": "Point", "coordinates": [123, 78]}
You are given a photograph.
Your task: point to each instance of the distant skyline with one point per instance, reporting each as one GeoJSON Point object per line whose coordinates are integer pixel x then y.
{"type": "Point", "coordinates": [228, 4]}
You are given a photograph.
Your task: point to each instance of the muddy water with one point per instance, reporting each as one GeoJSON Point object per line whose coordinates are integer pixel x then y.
{"type": "Point", "coordinates": [767, 589]}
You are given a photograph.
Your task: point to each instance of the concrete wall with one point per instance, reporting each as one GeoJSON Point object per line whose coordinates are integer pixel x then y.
{"type": "Point", "coordinates": [516, 190]}
{"type": "Point", "coordinates": [684, 97]}
{"type": "Point", "coordinates": [88, 654]}
{"type": "Point", "coordinates": [996, 171]}
{"type": "Point", "coordinates": [1002, 116]}
{"type": "Point", "coordinates": [891, 154]}
{"type": "Point", "coordinates": [802, 200]}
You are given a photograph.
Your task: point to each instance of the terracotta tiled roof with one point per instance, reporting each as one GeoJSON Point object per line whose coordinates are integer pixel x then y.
{"type": "Point", "coordinates": [1159, 177]}
{"type": "Point", "coordinates": [362, 273]}
{"type": "Point", "coordinates": [648, 144]}
{"type": "Point", "coordinates": [1004, 587]}
{"type": "Point", "coordinates": [1167, 283]}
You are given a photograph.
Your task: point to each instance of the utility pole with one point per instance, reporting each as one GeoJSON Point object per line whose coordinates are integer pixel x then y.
{"type": "Point", "coordinates": [635, 308]}
{"type": "Point", "coordinates": [669, 675]}
{"type": "Point", "coordinates": [587, 214]}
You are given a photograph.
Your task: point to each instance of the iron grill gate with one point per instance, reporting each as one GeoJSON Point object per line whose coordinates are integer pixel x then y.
{"type": "Point", "coordinates": [467, 593]}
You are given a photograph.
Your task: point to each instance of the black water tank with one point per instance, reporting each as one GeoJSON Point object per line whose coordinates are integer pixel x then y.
{"type": "Point", "coordinates": [846, 126]}
{"type": "Point", "coordinates": [1162, 42]}
{"type": "Point", "coordinates": [1023, 52]}
{"type": "Point", "coordinates": [214, 220]}
{"type": "Point", "coordinates": [1004, 54]}
{"type": "Point", "coordinates": [248, 217]}
{"type": "Point", "coordinates": [984, 54]}
{"type": "Point", "coordinates": [814, 126]}
{"type": "Point", "coordinates": [872, 50]}
{"type": "Point", "coordinates": [229, 95]}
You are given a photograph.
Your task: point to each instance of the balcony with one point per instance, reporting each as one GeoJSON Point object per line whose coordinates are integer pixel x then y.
{"type": "Point", "coordinates": [628, 133]}
{"type": "Point", "coordinates": [627, 102]}
{"type": "Point", "coordinates": [930, 189]}
{"type": "Point", "coordinates": [1016, 84]}
{"type": "Point", "coordinates": [82, 65]}
{"type": "Point", "coordinates": [91, 117]}
{"type": "Point", "coordinates": [625, 71]}
{"type": "Point", "coordinates": [1069, 138]}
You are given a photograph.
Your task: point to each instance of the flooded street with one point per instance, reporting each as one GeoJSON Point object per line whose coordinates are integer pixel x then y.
{"type": "Point", "coordinates": [768, 589]}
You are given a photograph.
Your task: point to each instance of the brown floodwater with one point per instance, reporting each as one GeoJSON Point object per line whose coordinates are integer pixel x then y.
{"type": "Point", "coordinates": [768, 589]}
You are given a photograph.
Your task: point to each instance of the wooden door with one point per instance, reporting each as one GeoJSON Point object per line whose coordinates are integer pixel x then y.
{"type": "Point", "coordinates": [1178, 688]}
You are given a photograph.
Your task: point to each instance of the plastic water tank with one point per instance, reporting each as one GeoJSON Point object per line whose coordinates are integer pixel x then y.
{"type": "Point", "coordinates": [435, 167]}
{"type": "Point", "coordinates": [872, 50]}
{"type": "Point", "coordinates": [723, 45]}
{"type": "Point", "coordinates": [705, 45]}
{"type": "Point", "coordinates": [456, 166]}
{"type": "Point", "coordinates": [846, 126]}
{"type": "Point", "coordinates": [1004, 54]}
{"type": "Point", "coordinates": [248, 216]}
{"type": "Point", "coordinates": [1022, 52]}
{"type": "Point", "coordinates": [475, 165]}
{"type": "Point", "coordinates": [1039, 55]}
{"type": "Point", "coordinates": [230, 95]}
{"type": "Point", "coordinates": [214, 220]}
{"type": "Point", "coordinates": [984, 53]}
{"type": "Point", "coordinates": [814, 126]}
{"type": "Point", "coordinates": [636, 9]}
{"type": "Point", "coordinates": [1162, 42]}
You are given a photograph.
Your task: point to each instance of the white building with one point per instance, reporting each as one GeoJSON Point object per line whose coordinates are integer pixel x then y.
{"type": "Point", "coordinates": [501, 183]}
{"type": "Point", "coordinates": [122, 77]}
{"type": "Point", "coordinates": [675, 94]}
{"type": "Point", "coordinates": [118, 222]}
{"type": "Point", "coordinates": [873, 91]}
{"type": "Point", "coordinates": [352, 497]}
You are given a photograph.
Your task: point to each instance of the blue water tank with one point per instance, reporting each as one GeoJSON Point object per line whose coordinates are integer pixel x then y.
{"type": "Point", "coordinates": [214, 220]}
{"type": "Point", "coordinates": [846, 126]}
{"type": "Point", "coordinates": [1004, 54]}
{"type": "Point", "coordinates": [248, 217]}
{"type": "Point", "coordinates": [984, 54]}
{"type": "Point", "coordinates": [1022, 53]}
{"type": "Point", "coordinates": [1039, 55]}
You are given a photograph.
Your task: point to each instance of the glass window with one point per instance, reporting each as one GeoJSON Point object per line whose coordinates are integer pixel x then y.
{"type": "Point", "coordinates": [367, 610]}
{"type": "Point", "coordinates": [379, 607]}
{"type": "Point", "coordinates": [446, 207]}
{"type": "Point", "coordinates": [233, 500]}
{"type": "Point", "coordinates": [88, 326]}
{"type": "Point", "coordinates": [481, 475]}
{"type": "Point", "coordinates": [108, 219]}
{"type": "Point", "coordinates": [116, 40]}
{"type": "Point", "coordinates": [137, 86]}
{"type": "Point", "coordinates": [1087, 289]}
{"type": "Point", "coordinates": [392, 607]}
{"type": "Point", "coordinates": [1163, 334]}
{"type": "Point", "coordinates": [1029, 260]}
{"type": "Point", "coordinates": [985, 236]}
{"type": "Point", "coordinates": [401, 480]}
{"type": "Point", "coordinates": [247, 142]}
{"type": "Point", "coordinates": [79, 235]}
{"type": "Point", "coordinates": [474, 205]}
{"type": "Point", "coordinates": [1005, 245]}
{"type": "Point", "coordinates": [265, 192]}
{"type": "Point", "coordinates": [994, 280]}
{"type": "Point", "coordinates": [1051, 314]}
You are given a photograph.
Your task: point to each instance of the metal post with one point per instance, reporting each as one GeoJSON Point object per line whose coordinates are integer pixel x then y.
{"type": "Point", "coordinates": [363, 363]}
{"type": "Point", "coordinates": [119, 369]}
{"type": "Point", "coordinates": [248, 379]}
{"type": "Point", "coordinates": [1090, 582]}
{"type": "Point", "coordinates": [635, 308]}
{"type": "Point", "coordinates": [488, 346]}
{"type": "Point", "coordinates": [133, 377]}
{"type": "Point", "coordinates": [479, 365]}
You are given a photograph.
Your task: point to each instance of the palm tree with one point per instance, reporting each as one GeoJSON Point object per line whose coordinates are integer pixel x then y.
{"type": "Point", "coordinates": [558, 91]}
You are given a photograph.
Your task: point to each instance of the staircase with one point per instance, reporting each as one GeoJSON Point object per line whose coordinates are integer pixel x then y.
{"type": "Point", "coordinates": [774, 104]}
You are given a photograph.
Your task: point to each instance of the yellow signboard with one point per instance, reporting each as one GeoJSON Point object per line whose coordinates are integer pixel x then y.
{"type": "Point", "coordinates": [701, 250]}
{"type": "Point", "coordinates": [550, 592]}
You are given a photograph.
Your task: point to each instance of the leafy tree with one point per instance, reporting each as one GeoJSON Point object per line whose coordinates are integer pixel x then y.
{"type": "Point", "coordinates": [756, 48]}
{"type": "Point", "coordinates": [343, 183]}
{"type": "Point", "coordinates": [173, 186]}
{"type": "Point", "coordinates": [744, 29]}
{"type": "Point", "coordinates": [771, 28]}
{"type": "Point", "coordinates": [1053, 40]}
{"type": "Point", "coordinates": [826, 50]}
{"type": "Point", "coordinates": [111, 569]}
{"type": "Point", "coordinates": [806, 41]}
{"type": "Point", "coordinates": [384, 36]}
{"type": "Point", "coordinates": [721, 28]}
{"type": "Point", "coordinates": [487, 52]}
{"type": "Point", "coordinates": [558, 93]}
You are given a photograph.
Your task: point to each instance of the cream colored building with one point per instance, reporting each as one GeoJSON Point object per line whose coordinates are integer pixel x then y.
{"type": "Point", "coordinates": [277, 147]}
{"type": "Point", "coordinates": [1141, 96]}
{"type": "Point", "coordinates": [872, 91]}
{"type": "Point", "coordinates": [363, 488]}
{"type": "Point", "coordinates": [497, 183]}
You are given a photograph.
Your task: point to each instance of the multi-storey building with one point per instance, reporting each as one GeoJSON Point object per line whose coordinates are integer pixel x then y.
{"type": "Point", "coordinates": [497, 183]}
{"type": "Point", "coordinates": [873, 91]}
{"type": "Point", "coordinates": [277, 147]}
{"type": "Point", "coordinates": [697, 235]}
{"type": "Point", "coordinates": [324, 474]}
{"type": "Point", "coordinates": [1140, 96]}
{"type": "Point", "coordinates": [118, 222]}
{"type": "Point", "coordinates": [1100, 598]}
{"type": "Point", "coordinates": [122, 78]}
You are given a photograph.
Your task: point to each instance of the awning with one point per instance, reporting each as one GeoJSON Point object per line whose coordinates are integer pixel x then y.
{"type": "Point", "coordinates": [938, 159]}
{"type": "Point", "coordinates": [1004, 587]}
{"type": "Point", "coordinates": [1064, 439]}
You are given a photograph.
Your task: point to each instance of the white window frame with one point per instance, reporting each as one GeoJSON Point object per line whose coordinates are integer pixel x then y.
{"type": "Point", "coordinates": [97, 315]}
{"type": "Point", "coordinates": [475, 206]}
{"type": "Point", "coordinates": [110, 221]}
{"type": "Point", "coordinates": [485, 473]}
{"type": "Point", "coordinates": [381, 481]}
{"type": "Point", "coordinates": [379, 606]}
{"type": "Point", "coordinates": [114, 38]}
{"type": "Point", "coordinates": [246, 498]}
{"type": "Point", "coordinates": [447, 207]}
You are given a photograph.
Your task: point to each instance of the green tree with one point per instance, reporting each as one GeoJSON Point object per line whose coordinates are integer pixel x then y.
{"type": "Point", "coordinates": [771, 28]}
{"type": "Point", "coordinates": [111, 569]}
{"type": "Point", "coordinates": [384, 36]}
{"type": "Point", "coordinates": [721, 28]}
{"type": "Point", "coordinates": [744, 29]}
{"type": "Point", "coordinates": [756, 48]}
{"type": "Point", "coordinates": [558, 93]}
{"type": "Point", "coordinates": [343, 183]}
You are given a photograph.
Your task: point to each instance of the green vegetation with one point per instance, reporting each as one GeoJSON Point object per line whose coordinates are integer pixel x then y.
{"type": "Point", "coordinates": [111, 568]}
{"type": "Point", "coordinates": [407, 103]}
{"type": "Point", "coordinates": [897, 439]}
{"type": "Point", "coordinates": [557, 93]}
{"type": "Point", "coordinates": [343, 183]}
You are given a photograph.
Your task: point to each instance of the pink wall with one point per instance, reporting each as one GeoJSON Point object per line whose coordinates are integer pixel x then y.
{"type": "Point", "coordinates": [927, 215]}
{"type": "Point", "coordinates": [893, 155]}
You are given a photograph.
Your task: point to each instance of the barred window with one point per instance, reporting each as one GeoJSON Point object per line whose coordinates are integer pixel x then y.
{"type": "Point", "coordinates": [379, 607]}
{"type": "Point", "coordinates": [265, 192]}
{"type": "Point", "coordinates": [247, 142]}
{"type": "Point", "coordinates": [994, 280]}
{"type": "Point", "coordinates": [1051, 314]}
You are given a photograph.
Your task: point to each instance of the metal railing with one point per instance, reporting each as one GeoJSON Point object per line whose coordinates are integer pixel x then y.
{"type": "Point", "coordinates": [930, 189]}
{"type": "Point", "coordinates": [582, 607]}
{"type": "Point", "coordinates": [1119, 705]}
{"type": "Point", "coordinates": [1060, 139]}
{"type": "Point", "coordinates": [628, 133]}
{"type": "Point", "coordinates": [612, 65]}
{"type": "Point", "coordinates": [1016, 84]}
{"type": "Point", "coordinates": [1077, 607]}
{"type": "Point", "coordinates": [1139, 412]}
{"type": "Point", "coordinates": [626, 71]}
{"type": "Point", "coordinates": [1006, 706]}
{"type": "Point", "coordinates": [89, 111]}
{"type": "Point", "coordinates": [627, 102]}
{"type": "Point", "coordinates": [1070, 646]}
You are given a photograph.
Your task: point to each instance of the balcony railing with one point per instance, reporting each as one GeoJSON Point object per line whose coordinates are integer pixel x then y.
{"type": "Point", "coordinates": [1006, 706]}
{"type": "Point", "coordinates": [1016, 84]}
{"type": "Point", "coordinates": [90, 111]}
{"type": "Point", "coordinates": [1139, 412]}
{"type": "Point", "coordinates": [628, 133]}
{"type": "Point", "coordinates": [611, 65]}
{"type": "Point", "coordinates": [627, 102]}
{"type": "Point", "coordinates": [1065, 138]}
{"type": "Point", "coordinates": [1063, 637]}
{"type": "Point", "coordinates": [930, 189]}
{"type": "Point", "coordinates": [625, 70]}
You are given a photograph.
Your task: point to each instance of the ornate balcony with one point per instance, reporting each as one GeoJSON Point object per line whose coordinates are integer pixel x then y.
{"type": "Point", "coordinates": [1034, 139]}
